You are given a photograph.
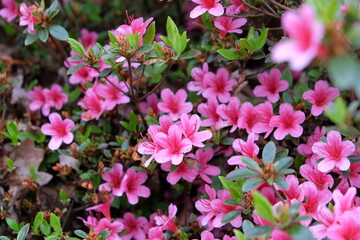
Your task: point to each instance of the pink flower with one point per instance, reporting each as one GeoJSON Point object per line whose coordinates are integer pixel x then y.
{"type": "Point", "coordinates": [326, 219]}
{"type": "Point", "coordinates": [151, 102]}
{"type": "Point", "coordinates": [320, 97]}
{"type": "Point", "coordinates": [247, 149]}
{"type": "Point", "coordinates": [88, 39]}
{"type": "Point", "coordinates": [173, 146]}
{"type": "Point", "coordinates": [55, 96]}
{"type": "Point", "coordinates": [27, 18]}
{"type": "Point", "coordinates": [113, 179]}
{"type": "Point", "coordinates": [249, 117]}
{"type": "Point", "coordinates": [211, 6]}
{"type": "Point", "coordinates": [39, 100]}
{"type": "Point", "coordinates": [131, 184]}
{"type": "Point", "coordinates": [346, 228]}
{"type": "Point", "coordinates": [206, 235]}
{"type": "Point", "coordinates": [271, 85]}
{"type": "Point", "coordinates": [167, 222]}
{"type": "Point", "coordinates": [174, 104]}
{"type": "Point", "coordinates": [209, 110]}
{"type": "Point", "coordinates": [230, 113]}
{"type": "Point", "coordinates": [334, 152]}
{"type": "Point", "coordinates": [182, 171]}
{"type": "Point", "coordinates": [321, 180]}
{"type": "Point", "coordinates": [288, 122]}
{"type": "Point", "coordinates": [59, 130]}
{"type": "Point", "coordinates": [354, 175]}
{"type": "Point", "coordinates": [9, 10]}
{"type": "Point", "coordinates": [343, 202]}
{"type": "Point", "coordinates": [294, 192]}
{"type": "Point", "coordinates": [198, 75]}
{"type": "Point", "coordinates": [111, 94]}
{"type": "Point", "coordinates": [93, 104]}
{"type": "Point", "coordinates": [204, 156]}
{"type": "Point", "coordinates": [229, 25]}
{"type": "Point", "coordinates": [104, 207]}
{"type": "Point", "coordinates": [133, 226]}
{"type": "Point", "coordinates": [114, 227]}
{"type": "Point", "coordinates": [306, 149]}
{"type": "Point", "coordinates": [155, 233]}
{"type": "Point", "coordinates": [265, 113]}
{"type": "Point", "coordinates": [136, 26]}
{"type": "Point", "coordinates": [305, 36]}
{"type": "Point", "coordinates": [236, 7]}
{"type": "Point", "coordinates": [190, 126]}
{"type": "Point", "coordinates": [218, 85]}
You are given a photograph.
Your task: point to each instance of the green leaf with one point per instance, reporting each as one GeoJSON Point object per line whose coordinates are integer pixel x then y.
{"type": "Point", "coordinates": [231, 216]}
{"type": "Point", "coordinates": [281, 182]}
{"type": "Point", "coordinates": [37, 222]}
{"type": "Point", "coordinates": [12, 128]}
{"type": "Point", "coordinates": [73, 95]}
{"type": "Point", "coordinates": [59, 32]}
{"type": "Point", "coordinates": [105, 72]}
{"type": "Point", "coordinates": [354, 158]}
{"type": "Point", "coordinates": [283, 163]}
{"type": "Point", "coordinates": [133, 39]}
{"type": "Point", "coordinates": [145, 48]}
{"type": "Point", "coordinates": [171, 28]}
{"type": "Point", "coordinates": [229, 54]}
{"type": "Point", "coordinates": [337, 112]}
{"type": "Point", "coordinates": [150, 34]}
{"type": "Point", "coordinates": [245, 43]}
{"type": "Point", "coordinates": [23, 232]}
{"type": "Point", "coordinates": [260, 42]}
{"type": "Point", "coordinates": [190, 54]}
{"type": "Point", "coordinates": [81, 233]}
{"type": "Point", "coordinates": [55, 223]}
{"type": "Point", "coordinates": [151, 121]}
{"type": "Point", "coordinates": [239, 235]}
{"type": "Point", "coordinates": [75, 68]}
{"type": "Point", "coordinates": [63, 196]}
{"type": "Point", "coordinates": [269, 152]}
{"type": "Point", "coordinates": [32, 171]}
{"type": "Point", "coordinates": [251, 231]}
{"type": "Point", "coordinates": [4, 238]}
{"type": "Point", "coordinates": [250, 163]}
{"type": "Point", "coordinates": [12, 224]}
{"type": "Point", "coordinates": [45, 228]}
{"type": "Point", "coordinates": [300, 232]}
{"type": "Point", "coordinates": [251, 184]}
{"type": "Point", "coordinates": [241, 173]}
{"type": "Point", "coordinates": [30, 38]}
{"type": "Point", "coordinates": [286, 75]}
{"type": "Point", "coordinates": [43, 34]}
{"type": "Point", "coordinates": [10, 164]}
{"type": "Point", "coordinates": [77, 47]}
{"type": "Point", "coordinates": [263, 207]}
{"type": "Point", "coordinates": [53, 6]}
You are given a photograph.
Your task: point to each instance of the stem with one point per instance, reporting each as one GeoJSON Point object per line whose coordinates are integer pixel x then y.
{"type": "Point", "coordinates": [59, 47]}
{"type": "Point", "coordinates": [280, 5]}
{"type": "Point", "coordinates": [278, 194]}
{"type": "Point", "coordinates": [116, 87]}
{"type": "Point", "coordinates": [131, 78]}
{"type": "Point", "coordinates": [269, 7]}
{"type": "Point", "coordinates": [157, 85]}
{"type": "Point", "coordinates": [259, 10]}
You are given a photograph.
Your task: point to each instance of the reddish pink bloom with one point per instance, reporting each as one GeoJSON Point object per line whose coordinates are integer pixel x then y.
{"type": "Point", "coordinates": [152, 103]}
{"type": "Point", "coordinates": [39, 100]}
{"type": "Point", "coordinates": [174, 104]}
{"type": "Point", "coordinates": [211, 6]}
{"type": "Point", "coordinates": [306, 149]}
{"type": "Point", "coordinates": [271, 85]}
{"type": "Point", "coordinates": [314, 198]}
{"type": "Point", "coordinates": [321, 180]}
{"type": "Point", "coordinates": [133, 226]}
{"type": "Point", "coordinates": [27, 18]}
{"type": "Point", "coordinates": [114, 227]}
{"type": "Point", "coordinates": [354, 176]}
{"type": "Point", "coordinates": [190, 126]}
{"type": "Point", "coordinates": [294, 192]}
{"type": "Point", "coordinates": [343, 202]}
{"type": "Point", "coordinates": [209, 110]}
{"type": "Point", "coordinates": [229, 25]}
{"type": "Point", "coordinates": [167, 222]}
{"type": "Point", "coordinates": [55, 96]}
{"type": "Point", "coordinates": [347, 227]}
{"type": "Point", "coordinates": [236, 7]}
{"type": "Point", "coordinates": [334, 152]}
{"type": "Point", "coordinates": [173, 146]}
{"type": "Point", "coordinates": [59, 130]}
{"type": "Point", "coordinates": [83, 75]}
{"type": "Point", "coordinates": [249, 117]}
{"type": "Point", "coordinates": [305, 36]}
{"type": "Point", "coordinates": [265, 113]}
{"type": "Point", "coordinates": [206, 235]}
{"type": "Point", "coordinates": [113, 179]}
{"type": "Point", "coordinates": [111, 94]}
{"type": "Point", "coordinates": [247, 149]}
{"type": "Point", "coordinates": [182, 171]}
{"type": "Point", "coordinates": [137, 26]}
{"type": "Point", "coordinates": [104, 207]}
{"type": "Point", "coordinates": [218, 85]}
{"type": "Point", "coordinates": [93, 104]}
{"type": "Point", "coordinates": [131, 184]}
{"type": "Point", "coordinates": [204, 156]}
{"type": "Point", "coordinates": [279, 235]}
{"type": "Point", "coordinates": [88, 39]}
{"type": "Point", "coordinates": [288, 122]}
{"type": "Point", "coordinates": [230, 113]}
{"type": "Point", "coordinates": [320, 97]}
{"type": "Point", "coordinates": [155, 233]}
{"type": "Point", "coordinates": [9, 10]}
{"type": "Point", "coordinates": [198, 75]}
{"type": "Point", "coordinates": [326, 219]}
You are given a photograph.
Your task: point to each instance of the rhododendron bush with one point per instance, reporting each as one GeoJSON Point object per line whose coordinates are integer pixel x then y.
{"type": "Point", "coordinates": [201, 119]}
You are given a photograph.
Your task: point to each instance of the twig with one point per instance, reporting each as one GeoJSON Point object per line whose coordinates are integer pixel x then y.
{"type": "Point", "coordinates": [269, 7]}
{"type": "Point", "coordinates": [259, 10]}
{"type": "Point", "coordinates": [280, 5]}
{"type": "Point", "coordinates": [157, 85]}
{"type": "Point", "coordinates": [59, 47]}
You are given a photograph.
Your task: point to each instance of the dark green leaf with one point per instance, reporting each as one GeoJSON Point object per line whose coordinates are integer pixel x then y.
{"type": "Point", "coordinates": [30, 38]}
{"type": "Point", "coordinates": [77, 47]}
{"type": "Point", "coordinates": [23, 232]}
{"type": "Point", "coordinates": [59, 32]}
{"type": "Point", "coordinates": [43, 34]}
{"type": "Point", "coordinates": [260, 42]}
{"type": "Point", "coordinates": [229, 54]}
{"type": "Point", "coordinates": [283, 163]}
{"type": "Point", "coordinates": [269, 152]}
{"type": "Point", "coordinates": [300, 232]}
{"type": "Point", "coordinates": [241, 173]}
{"type": "Point", "coordinates": [105, 72]}
{"type": "Point", "coordinates": [280, 181]}
{"type": "Point", "coordinates": [231, 216]}
{"type": "Point", "coordinates": [75, 68]}
{"type": "Point", "coordinates": [354, 158]}
{"type": "Point", "coordinates": [251, 231]}
{"type": "Point", "coordinates": [251, 184]}
{"type": "Point", "coordinates": [12, 224]}
{"type": "Point", "coordinates": [190, 54]}
{"type": "Point", "coordinates": [250, 163]}
{"type": "Point", "coordinates": [150, 34]}
{"type": "Point", "coordinates": [145, 48]}
{"type": "Point", "coordinates": [81, 233]}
